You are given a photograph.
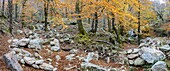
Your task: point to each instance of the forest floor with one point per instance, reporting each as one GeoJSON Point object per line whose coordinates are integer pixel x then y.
{"type": "Point", "coordinates": [63, 63]}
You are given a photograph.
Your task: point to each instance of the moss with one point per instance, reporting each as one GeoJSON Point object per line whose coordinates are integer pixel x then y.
{"type": "Point", "coordinates": [168, 64]}
{"type": "Point", "coordinates": [83, 39]}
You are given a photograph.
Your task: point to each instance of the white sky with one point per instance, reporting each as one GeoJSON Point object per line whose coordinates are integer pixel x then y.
{"type": "Point", "coordinates": [161, 1]}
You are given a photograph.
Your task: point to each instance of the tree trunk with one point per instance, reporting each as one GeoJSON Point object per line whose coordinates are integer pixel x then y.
{"type": "Point", "coordinates": [115, 30]}
{"type": "Point", "coordinates": [46, 15]}
{"type": "Point", "coordinates": [10, 15]}
{"type": "Point", "coordinates": [23, 14]}
{"type": "Point", "coordinates": [3, 7]}
{"type": "Point", "coordinates": [16, 12]}
{"type": "Point", "coordinates": [79, 21]}
{"type": "Point", "coordinates": [109, 24]}
{"type": "Point", "coordinates": [96, 22]}
{"type": "Point", "coordinates": [92, 26]}
{"type": "Point", "coordinates": [139, 24]}
{"type": "Point", "coordinates": [66, 13]}
{"type": "Point", "coordinates": [104, 23]}
{"type": "Point", "coordinates": [88, 20]}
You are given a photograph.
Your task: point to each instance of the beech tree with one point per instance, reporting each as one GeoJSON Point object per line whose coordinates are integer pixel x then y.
{"type": "Point", "coordinates": [10, 10]}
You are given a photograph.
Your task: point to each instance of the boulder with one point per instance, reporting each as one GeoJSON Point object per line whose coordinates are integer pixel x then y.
{"type": "Point", "coordinates": [159, 66]}
{"type": "Point", "coordinates": [151, 55]}
{"type": "Point", "coordinates": [46, 66]}
{"type": "Point", "coordinates": [132, 56]}
{"type": "Point", "coordinates": [35, 43]}
{"type": "Point", "coordinates": [39, 62]}
{"type": "Point", "coordinates": [22, 52]}
{"type": "Point", "coordinates": [11, 61]}
{"type": "Point", "coordinates": [129, 51]}
{"type": "Point", "coordinates": [22, 61]}
{"type": "Point", "coordinates": [29, 60]}
{"type": "Point", "coordinates": [136, 50]}
{"type": "Point", "coordinates": [55, 42]}
{"type": "Point", "coordinates": [131, 62]}
{"type": "Point", "coordinates": [23, 42]}
{"type": "Point", "coordinates": [14, 43]}
{"type": "Point", "coordinates": [165, 48]}
{"type": "Point", "coordinates": [55, 48]}
{"type": "Point", "coordinates": [55, 45]}
{"type": "Point", "coordinates": [38, 56]}
{"type": "Point", "coordinates": [139, 61]}
{"type": "Point", "coordinates": [70, 57]}
{"type": "Point", "coordinates": [92, 67]}
{"type": "Point", "coordinates": [35, 66]}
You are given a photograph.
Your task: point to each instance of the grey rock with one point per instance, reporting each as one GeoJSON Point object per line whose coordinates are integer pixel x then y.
{"type": "Point", "coordinates": [14, 43]}
{"type": "Point", "coordinates": [19, 56]}
{"type": "Point", "coordinates": [91, 56]}
{"type": "Point", "coordinates": [35, 66]}
{"type": "Point", "coordinates": [131, 62]}
{"type": "Point", "coordinates": [22, 61]}
{"type": "Point", "coordinates": [46, 66]}
{"type": "Point", "coordinates": [26, 53]}
{"type": "Point", "coordinates": [35, 43]}
{"type": "Point", "coordinates": [139, 62]}
{"type": "Point", "coordinates": [55, 42]}
{"type": "Point", "coordinates": [70, 57]}
{"type": "Point", "coordinates": [129, 51]}
{"type": "Point", "coordinates": [17, 50]}
{"type": "Point", "coordinates": [49, 59]}
{"type": "Point", "coordinates": [165, 48]}
{"type": "Point", "coordinates": [74, 51]}
{"type": "Point", "coordinates": [20, 31]}
{"type": "Point", "coordinates": [151, 55]}
{"type": "Point", "coordinates": [57, 57]}
{"type": "Point", "coordinates": [136, 50]}
{"type": "Point", "coordinates": [92, 67]}
{"type": "Point", "coordinates": [55, 45]}
{"type": "Point", "coordinates": [29, 60]}
{"type": "Point", "coordinates": [37, 55]}
{"type": "Point", "coordinates": [23, 42]}
{"type": "Point", "coordinates": [55, 48]}
{"type": "Point", "coordinates": [159, 66]}
{"type": "Point", "coordinates": [55, 69]}
{"type": "Point", "coordinates": [11, 62]}
{"type": "Point", "coordinates": [39, 62]}
{"type": "Point", "coordinates": [22, 52]}
{"type": "Point", "coordinates": [132, 56]}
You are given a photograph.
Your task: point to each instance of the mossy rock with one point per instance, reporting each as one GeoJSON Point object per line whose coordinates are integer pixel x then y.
{"type": "Point", "coordinates": [161, 32]}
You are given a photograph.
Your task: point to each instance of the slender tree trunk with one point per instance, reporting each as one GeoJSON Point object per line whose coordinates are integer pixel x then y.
{"type": "Point", "coordinates": [79, 21]}
{"type": "Point", "coordinates": [88, 20]}
{"type": "Point", "coordinates": [109, 24]}
{"type": "Point", "coordinates": [66, 13]}
{"type": "Point", "coordinates": [16, 12]}
{"type": "Point", "coordinates": [115, 30]}
{"type": "Point", "coordinates": [96, 22]}
{"type": "Point", "coordinates": [10, 15]}
{"type": "Point", "coordinates": [92, 26]}
{"type": "Point", "coordinates": [3, 7]}
{"type": "Point", "coordinates": [139, 25]}
{"type": "Point", "coordinates": [104, 23]}
{"type": "Point", "coordinates": [23, 14]}
{"type": "Point", "coordinates": [46, 15]}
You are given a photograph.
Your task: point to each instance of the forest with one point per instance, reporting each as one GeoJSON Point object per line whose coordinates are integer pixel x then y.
{"type": "Point", "coordinates": [84, 35]}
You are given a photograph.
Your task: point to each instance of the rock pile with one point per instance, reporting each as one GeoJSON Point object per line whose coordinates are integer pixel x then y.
{"type": "Point", "coordinates": [34, 60]}
{"type": "Point", "coordinates": [150, 51]}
